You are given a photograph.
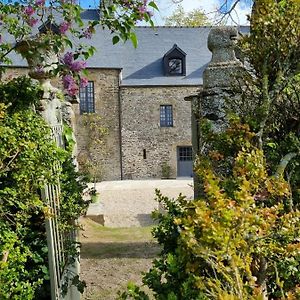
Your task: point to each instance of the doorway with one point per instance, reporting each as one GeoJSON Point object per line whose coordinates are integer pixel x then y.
{"type": "Point", "coordinates": [185, 161]}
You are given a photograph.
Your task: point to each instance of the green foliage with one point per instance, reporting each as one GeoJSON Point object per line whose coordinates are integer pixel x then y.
{"type": "Point", "coordinates": [26, 152]}
{"type": "Point", "coordinates": [121, 17]}
{"type": "Point", "coordinates": [270, 91]}
{"type": "Point", "coordinates": [217, 247]}
{"type": "Point", "coordinates": [134, 292]}
{"type": "Point", "coordinates": [20, 94]}
{"type": "Point", "coordinates": [96, 132]}
{"type": "Point", "coordinates": [179, 17]}
{"type": "Point", "coordinates": [165, 170]}
{"type": "Point", "coordinates": [240, 240]}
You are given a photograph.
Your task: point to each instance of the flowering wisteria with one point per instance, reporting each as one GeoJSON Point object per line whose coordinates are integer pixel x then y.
{"type": "Point", "coordinates": [83, 82]}
{"type": "Point", "coordinates": [68, 58]}
{"type": "Point", "coordinates": [75, 66]}
{"type": "Point", "coordinates": [141, 7]}
{"type": "Point", "coordinates": [70, 85]}
{"type": "Point", "coordinates": [88, 32]}
{"type": "Point", "coordinates": [40, 2]}
{"type": "Point", "coordinates": [29, 10]}
{"type": "Point", "coordinates": [119, 16]}
{"type": "Point", "coordinates": [64, 27]}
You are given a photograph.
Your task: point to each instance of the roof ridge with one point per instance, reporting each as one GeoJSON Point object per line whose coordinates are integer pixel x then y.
{"type": "Point", "coordinates": [166, 26]}
{"type": "Point", "coordinates": [201, 26]}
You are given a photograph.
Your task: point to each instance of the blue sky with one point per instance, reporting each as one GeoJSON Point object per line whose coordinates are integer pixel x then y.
{"type": "Point", "coordinates": [209, 6]}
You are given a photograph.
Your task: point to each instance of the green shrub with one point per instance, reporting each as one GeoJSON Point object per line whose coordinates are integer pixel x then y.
{"type": "Point", "coordinates": [26, 153]}
{"type": "Point", "coordinates": [240, 241]}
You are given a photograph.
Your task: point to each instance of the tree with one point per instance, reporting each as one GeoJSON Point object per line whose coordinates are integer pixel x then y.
{"type": "Point", "coordinates": [29, 158]}
{"type": "Point", "coordinates": [21, 18]}
{"type": "Point", "coordinates": [240, 240]}
{"type": "Point", "coordinates": [179, 17]}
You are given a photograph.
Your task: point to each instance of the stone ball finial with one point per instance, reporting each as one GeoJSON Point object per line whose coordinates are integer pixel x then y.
{"type": "Point", "coordinates": [224, 65]}
{"type": "Point", "coordinates": [221, 42]}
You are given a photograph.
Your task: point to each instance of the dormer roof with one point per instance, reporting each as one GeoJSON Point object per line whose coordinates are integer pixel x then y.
{"type": "Point", "coordinates": [175, 50]}
{"type": "Point", "coordinates": [49, 26]}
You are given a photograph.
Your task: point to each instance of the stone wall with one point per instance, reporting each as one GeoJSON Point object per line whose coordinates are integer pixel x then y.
{"type": "Point", "coordinates": [12, 72]}
{"type": "Point", "coordinates": [105, 151]}
{"type": "Point", "coordinates": [141, 129]}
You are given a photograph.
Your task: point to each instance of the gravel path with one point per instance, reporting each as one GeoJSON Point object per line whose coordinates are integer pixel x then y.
{"type": "Point", "coordinates": [129, 203]}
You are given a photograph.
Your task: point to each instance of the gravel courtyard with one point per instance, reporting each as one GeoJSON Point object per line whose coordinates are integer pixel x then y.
{"type": "Point", "coordinates": [114, 254]}
{"type": "Point", "coordinates": [129, 203]}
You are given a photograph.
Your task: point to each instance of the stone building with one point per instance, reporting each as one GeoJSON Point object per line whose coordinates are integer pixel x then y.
{"type": "Point", "coordinates": [133, 121]}
{"type": "Point", "coordinates": [139, 94]}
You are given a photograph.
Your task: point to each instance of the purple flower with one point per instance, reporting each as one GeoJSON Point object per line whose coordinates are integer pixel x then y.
{"type": "Point", "coordinates": [39, 70]}
{"type": "Point", "coordinates": [67, 81]}
{"type": "Point", "coordinates": [68, 59]}
{"type": "Point", "coordinates": [88, 32]}
{"type": "Point", "coordinates": [73, 90]}
{"type": "Point", "coordinates": [77, 66]}
{"type": "Point", "coordinates": [29, 11]}
{"type": "Point", "coordinates": [70, 85]}
{"type": "Point", "coordinates": [83, 82]}
{"type": "Point", "coordinates": [32, 21]}
{"type": "Point", "coordinates": [39, 2]}
{"type": "Point", "coordinates": [64, 27]}
{"type": "Point", "coordinates": [142, 9]}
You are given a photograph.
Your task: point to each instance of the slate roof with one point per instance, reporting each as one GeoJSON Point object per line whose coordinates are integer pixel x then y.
{"type": "Point", "coordinates": [143, 66]}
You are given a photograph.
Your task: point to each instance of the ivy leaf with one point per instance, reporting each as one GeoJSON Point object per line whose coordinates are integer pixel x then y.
{"type": "Point", "coordinates": [134, 39]}
{"type": "Point", "coordinates": [115, 39]}
{"type": "Point", "coordinates": [153, 5]}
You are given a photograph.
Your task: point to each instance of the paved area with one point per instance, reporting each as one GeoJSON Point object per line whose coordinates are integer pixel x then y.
{"type": "Point", "coordinates": [129, 203]}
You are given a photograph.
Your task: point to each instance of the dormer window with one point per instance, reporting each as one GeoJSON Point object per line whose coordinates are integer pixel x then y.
{"type": "Point", "coordinates": [174, 62]}
{"type": "Point", "coordinates": [49, 26]}
{"type": "Point", "coordinates": [175, 66]}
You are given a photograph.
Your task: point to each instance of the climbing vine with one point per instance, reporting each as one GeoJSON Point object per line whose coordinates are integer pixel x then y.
{"type": "Point", "coordinates": [26, 152]}
{"type": "Point", "coordinates": [40, 31]}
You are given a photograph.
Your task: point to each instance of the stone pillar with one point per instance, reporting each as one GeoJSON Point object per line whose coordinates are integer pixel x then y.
{"type": "Point", "coordinates": [54, 112]}
{"type": "Point", "coordinates": [218, 78]}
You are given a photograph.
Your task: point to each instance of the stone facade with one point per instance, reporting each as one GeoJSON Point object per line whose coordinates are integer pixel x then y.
{"type": "Point", "coordinates": [124, 139]}
{"type": "Point", "coordinates": [127, 120]}
{"type": "Point", "coordinates": [146, 145]}
{"type": "Point", "coordinates": [98, 135]}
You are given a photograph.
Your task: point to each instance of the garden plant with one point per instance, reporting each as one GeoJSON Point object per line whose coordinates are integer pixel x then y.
{"type": "Point", "coordinates": [241, 238]}
{"type": "Point", "coordinates": [27, 150]}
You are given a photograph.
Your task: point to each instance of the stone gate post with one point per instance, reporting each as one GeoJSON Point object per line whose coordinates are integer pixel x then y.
{"type": "Point", "coordinates": [218, 78]}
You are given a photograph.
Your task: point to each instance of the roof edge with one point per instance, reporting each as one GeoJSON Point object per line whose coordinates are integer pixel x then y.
{"type": "Point", "coordinates": [159, 85]}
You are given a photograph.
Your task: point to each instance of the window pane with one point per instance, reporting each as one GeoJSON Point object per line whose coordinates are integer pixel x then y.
{"type": "Point", "coordinates": [185, 154]}
{"type": "Point", "coordinates": [86, 97]}
{"type": "Point", "coordinates": [166, 116]}
{"type": "Point", "coordinates": [175, 66]}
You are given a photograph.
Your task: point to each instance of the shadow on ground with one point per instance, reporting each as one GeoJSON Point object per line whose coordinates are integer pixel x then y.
{"type": "Point", "coordinates": [103, 250]}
